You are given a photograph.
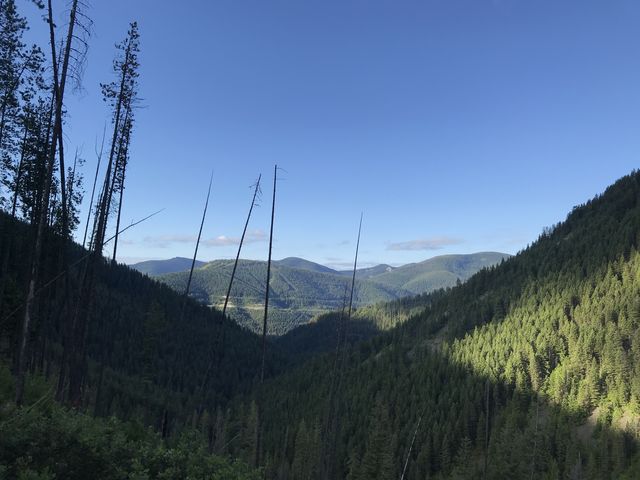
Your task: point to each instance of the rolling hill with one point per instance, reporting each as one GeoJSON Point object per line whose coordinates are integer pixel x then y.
{"type": "Point", "coordinates": [527, 370]}
{"type": "Point", "coordinates": [161, 267]}
{"type": "Point", "coordinates": [297, 295]}
{"type": "Point", "coordinates": [302, 289]}
{"type": "Point", "coordinates": [436, 272]}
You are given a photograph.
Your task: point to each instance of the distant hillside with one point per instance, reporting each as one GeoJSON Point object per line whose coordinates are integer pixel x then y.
{"type": "Point", "coordinates": [527, 370]}
{"type": "Point", "coordinates": [301, 290]}
{"type": "Point", "coordinates": [301, 263]}
{"type": "Point", "coordinates": [134, 337]}
{"type": "Point", "coordinates": [297, 295]}
{"type": "Point", "coordinates": [368, 272]}
{"type": "Point", "coordinates": [437, 272]}
{"type": "Point", "coordinates": [161, 267]}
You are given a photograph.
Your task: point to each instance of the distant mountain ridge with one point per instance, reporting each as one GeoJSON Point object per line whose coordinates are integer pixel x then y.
{"type": "Point", "coordinates": [297, 262]}
{"type": "Point", "coordinates": [436, 272]}
{"type": "Point", "coordinates": [301, 289]}
{"type": "Point", "coordinates": [370, 271]}
{"type": "Point", "coordinates": [161, 267]}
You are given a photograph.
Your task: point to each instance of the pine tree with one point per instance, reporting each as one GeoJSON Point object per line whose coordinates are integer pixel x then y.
{"type": "Point", "coordinates": [353, 466]}
{"type": "Point", "coordinates": [43, 217]}
{"type": "Point", "coordinates": [378, 459]}
{"type": "Point", "coordinates": [301, 465]}
{"type": "Point", "coordinates": [121, 94]}
{"type": "Point", "coordinates": [248, 440]}
{"type": "Point", "coordinates": [464, 461]}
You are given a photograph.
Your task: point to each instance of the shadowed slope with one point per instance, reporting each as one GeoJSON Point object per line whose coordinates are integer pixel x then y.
{"type": "Point", "coordinates": [541, 345]}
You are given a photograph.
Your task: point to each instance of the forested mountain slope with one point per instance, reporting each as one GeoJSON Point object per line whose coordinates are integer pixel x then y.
{"type": "Point", "coordinates": [437, 272]}
{"type": "Point", "coordinates": [144, 355]}
{"type": "Point", "coordinates": [530, 369]}
{"type": "Point", "coordinates": [301, 263]}
{"type": "Point", "coordinates": [301, 290]}
{"type": "Point", "coordinates": [296, 294]}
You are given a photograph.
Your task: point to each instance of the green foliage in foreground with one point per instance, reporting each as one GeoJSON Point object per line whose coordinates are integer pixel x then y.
{"type": "Point", "coordinates": [44, 441]}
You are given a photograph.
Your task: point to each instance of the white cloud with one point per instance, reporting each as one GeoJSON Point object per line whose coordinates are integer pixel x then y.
{"type": "Point", "coordinates": [164, 241]}
{"type": "Point", "coordinates": [341, 264]}
{"type": "Point", "coordinates": [433, 243]}
{"type": "Point", "coordinates": [223, 241]}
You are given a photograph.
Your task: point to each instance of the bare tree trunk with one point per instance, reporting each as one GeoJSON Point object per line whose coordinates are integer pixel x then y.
{"type": "Point", "coordinates": [264, 320]}
{"type": "Point", "coordinates": [3, 114]}
{"type": "Point", "coordinates": [72, 180]}
{"type": "Point", "coordinates": [59, 83]}
{"type": "Point", "coordinates": [329, 432]}
{"type": "Point", "coordinates": [165, 413]}
{"type": "Point", "coordinates": [355, 266]}
{"type": "Point", "coordinates": [221, 335]}
{"type": "Point", "coordinates": [195, 253]}
{"type": "Point", "coordinates": [266, 297]}
{"type": "Point", "coordinates": [413, 439]}
{"type": "Point", "coordinates": [244, 231]}
{"type": "Point", "coordinates": [93, 189]}
{"type": "Point", "coordinates": [333, 427]}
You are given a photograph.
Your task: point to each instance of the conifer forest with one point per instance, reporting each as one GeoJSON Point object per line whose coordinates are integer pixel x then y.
{"type": "Point", "coordinates": [522, 365]}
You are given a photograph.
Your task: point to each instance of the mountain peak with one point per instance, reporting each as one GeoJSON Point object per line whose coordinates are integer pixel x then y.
{"type": "Point", "coordinates": [302, 264]}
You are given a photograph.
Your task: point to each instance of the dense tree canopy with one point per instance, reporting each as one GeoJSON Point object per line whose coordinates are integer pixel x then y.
{"type": "Point", "coordinates": [530, 369]}
{"type": "Point", "coordinates": [544, 345]}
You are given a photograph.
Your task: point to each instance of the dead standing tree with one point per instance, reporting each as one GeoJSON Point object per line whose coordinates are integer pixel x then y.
{"type": "Point", "coordinates": [75, 49]}
{"type": "Point", "coordinates": [195, 253]}
{"type": "Point", "coordinates": [235, 263]}
{"type": "Point", "coordinates": [264, 319]}
{"type": "Point", "coordinates": [164, 422]}
{"type": "Point", "coordinates": [93, 189]}
{"type": "Point", "coordinates": [332, 428]}
{"type": "Point", "coordinates": [219, 350]}
{"type": "Point", "coordinates": [267, 289]}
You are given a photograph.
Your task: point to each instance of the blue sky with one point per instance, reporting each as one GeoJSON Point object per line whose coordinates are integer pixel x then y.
{"type": "Point", "coordinates": [455, 126]}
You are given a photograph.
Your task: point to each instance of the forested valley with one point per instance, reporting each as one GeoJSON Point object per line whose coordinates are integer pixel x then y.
{"type": "Point", "coordinates": [528, 369]}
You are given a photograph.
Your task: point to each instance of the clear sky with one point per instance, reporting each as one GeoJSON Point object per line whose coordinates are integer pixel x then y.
{"type": "Point", "coordinates": [455, 126]}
